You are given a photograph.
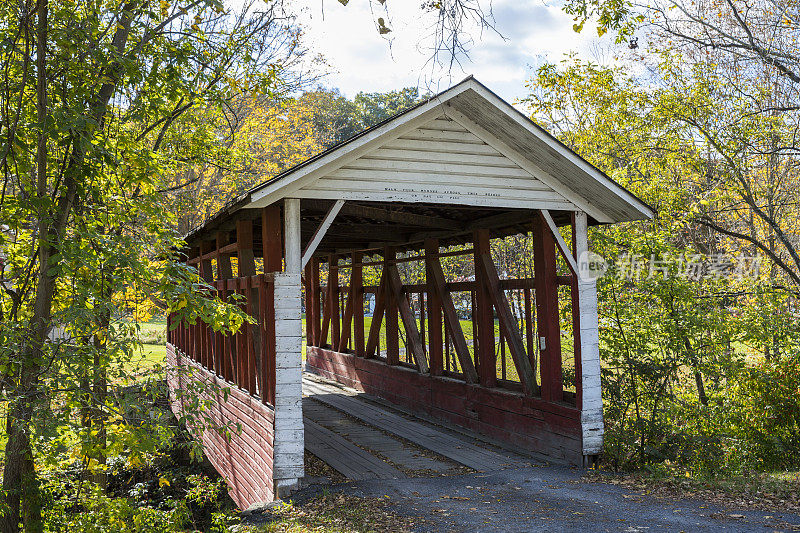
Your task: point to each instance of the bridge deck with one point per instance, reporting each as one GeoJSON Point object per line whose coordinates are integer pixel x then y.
{"type": "Point", "coordinates": [455, 447]}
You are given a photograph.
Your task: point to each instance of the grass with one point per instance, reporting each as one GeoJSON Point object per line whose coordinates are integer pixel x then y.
{"type": "Point", "coordinates": [152, 335]}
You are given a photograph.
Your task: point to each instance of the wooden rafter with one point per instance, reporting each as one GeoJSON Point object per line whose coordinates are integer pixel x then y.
{"type": "Point", "coordinates": [500, 220]}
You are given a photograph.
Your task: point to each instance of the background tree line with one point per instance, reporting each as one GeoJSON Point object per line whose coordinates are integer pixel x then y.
{"type": "Point", "coordinates": [262, 135]}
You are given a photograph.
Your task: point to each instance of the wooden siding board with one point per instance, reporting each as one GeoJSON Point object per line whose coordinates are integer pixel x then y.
{"type": "Point", "coordinates": [569, 168]}
{"type": "Point", "coordinates": [526, 183]}
{"type": "Point", "coordinates": [398, 193]}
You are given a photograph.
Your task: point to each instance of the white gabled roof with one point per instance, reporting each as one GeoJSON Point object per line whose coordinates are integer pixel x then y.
{"type": "Point", "coordinates": [463, 146]}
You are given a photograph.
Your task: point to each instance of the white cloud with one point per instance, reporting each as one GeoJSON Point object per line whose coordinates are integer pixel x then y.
{"type": "Point", "coordinates": [362, 60]}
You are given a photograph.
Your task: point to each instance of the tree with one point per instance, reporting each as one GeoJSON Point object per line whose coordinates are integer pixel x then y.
{"type": "Point", "coordinates": [678, 321]}
{"type": "Point", "coordinates": [735, 83]}
{"type": "Point", "coordinates": [337, 118]}
{"type": "Point", "coordinates": [263, 135]}
{"type": "Point", "coordinates": [91, 94]}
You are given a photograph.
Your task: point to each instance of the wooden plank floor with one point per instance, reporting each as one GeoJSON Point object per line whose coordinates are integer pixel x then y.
{"type": "Point", "coordinates": [398, 452]}
{"type": "Point", "coordinates": [344, 456]}
{"type": "Point", "coordinates": [423, 434]}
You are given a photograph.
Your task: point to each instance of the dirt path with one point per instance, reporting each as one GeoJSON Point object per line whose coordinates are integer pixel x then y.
{"type": "Point", "coordinates": [547, 498]}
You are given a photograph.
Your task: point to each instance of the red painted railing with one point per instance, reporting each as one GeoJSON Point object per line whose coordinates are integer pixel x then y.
{"type": "Point", "coordinates": [247, 358]}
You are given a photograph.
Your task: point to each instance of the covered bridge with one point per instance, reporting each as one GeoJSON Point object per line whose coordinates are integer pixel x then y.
{"type": "Point", "coordinates": [492, 353]}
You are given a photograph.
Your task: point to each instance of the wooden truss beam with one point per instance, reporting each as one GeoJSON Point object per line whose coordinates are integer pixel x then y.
{"type": "Point", "coordinates": [391, 303]}
{"type": "Point", "coordinates": [451, 319]}
{"type": "Point", "coordinates": [347, 319]}
{"type": "Point", "coordinates": [320, 232]}
{"type": "Point", "coordinates": [271, 238]}
{"type": "Point", "coordinates": [435, 340]}
{"type": "Point", "coordinates": [547, 323]}
{"type": "Point", "coordinates": [326, 317]}
{"type": "Point", "coordinates": [508, 324]}
{"type": "Point", "coordinates": [482, 314]}
{"type": "Point", "coordinates": [357, 294]}
{"type": "Point", "coordinates": [409, 320]}
{"type": "Point", "coordinates": [562, 245]}
{"type": "Point", "coordinates": [333, 299]}
{"type": "Point", "coordinates": [313, 317]}
{"type": "Point", "coordinates": [377, 318]}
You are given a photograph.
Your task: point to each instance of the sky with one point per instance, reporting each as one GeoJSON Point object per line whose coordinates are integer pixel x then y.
{"type": "Point", "coordinates": [359, 59]}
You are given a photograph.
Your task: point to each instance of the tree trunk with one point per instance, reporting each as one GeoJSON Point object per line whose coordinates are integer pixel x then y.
{"type": "Point", "coordinates": [698, 377]}
{"type": "Point", "coordinates": [100, 386]}
{"type": "Point", "coordinates": [701, 388]}
{"type": "Point", "coordinates": [19, 476]}
{"type": "Point", "coordinates": [20, 485]}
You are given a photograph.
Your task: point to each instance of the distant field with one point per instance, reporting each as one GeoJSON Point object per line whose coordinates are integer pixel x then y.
{"type": "Point", "coordinates": [153, 336]}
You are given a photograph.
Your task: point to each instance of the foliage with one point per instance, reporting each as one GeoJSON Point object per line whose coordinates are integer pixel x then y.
{"type": "Point", "coordinates": [686, 353]}
{"type": "Point", "coordinates": [264, 135]}
{"type": "Point", "coordinates": [96, 95]}
{"type": "Point", "coordinates": [160, 490]}
{"type": "Point", "coordinates": [763, 413]}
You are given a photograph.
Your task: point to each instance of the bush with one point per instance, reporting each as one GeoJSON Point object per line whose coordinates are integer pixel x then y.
{"type": "Point", "coordinates": [94, 512]}
{"type": "Point", "coordinates": [751, 423]}
{"type": "Point", "coordinates": [763, 414]}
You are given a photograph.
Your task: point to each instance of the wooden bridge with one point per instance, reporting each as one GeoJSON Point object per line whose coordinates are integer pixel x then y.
{"type": "Point", "coordinates": [514, 357]}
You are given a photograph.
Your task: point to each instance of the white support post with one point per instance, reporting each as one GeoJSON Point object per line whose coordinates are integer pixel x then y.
{"type": "Point", "coordinates": [291, 229]}
{"type": "Point", "coordinates": [289, 436]}
{"type": "Point", "coordinates": [592, 405]}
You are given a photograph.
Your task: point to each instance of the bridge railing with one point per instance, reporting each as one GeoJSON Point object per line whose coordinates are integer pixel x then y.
{"type": "Point", "coordinates": [247, 358]}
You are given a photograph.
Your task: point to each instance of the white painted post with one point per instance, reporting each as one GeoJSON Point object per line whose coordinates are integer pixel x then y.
{"type": "Point", "coordinates": [592, 409]}
{"type": "Point", "coordinates": [289, 436]}
{"type": "Point", "coordinates": [291, 228]}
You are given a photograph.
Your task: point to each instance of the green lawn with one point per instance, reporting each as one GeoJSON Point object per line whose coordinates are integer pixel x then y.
{"type": "Point", "coordinates": [153, 350]}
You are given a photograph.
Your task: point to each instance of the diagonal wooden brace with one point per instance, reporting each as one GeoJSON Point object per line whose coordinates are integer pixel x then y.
{"type": "Point", "coordinates": [509, 326]}
{"type": "Point", "coordinates": [409, 321]}
{"type": "Point", "coordinates": [320, 233]}
{"type": "Point", "coordinates": [453, 324]}
{"type": "Point", "coordinates": [377, 318]}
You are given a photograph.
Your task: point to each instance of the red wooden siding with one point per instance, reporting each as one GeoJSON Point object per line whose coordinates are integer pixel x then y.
{"type": "Point", "coordinates": [245, 459]}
